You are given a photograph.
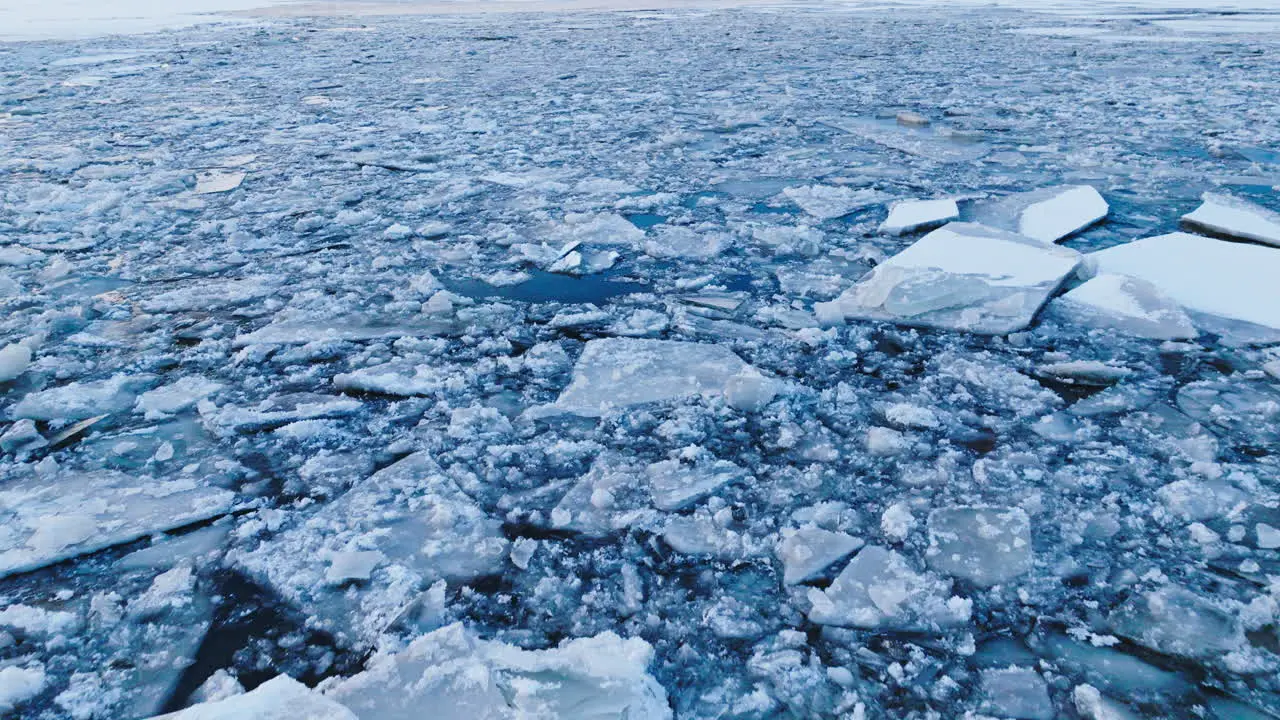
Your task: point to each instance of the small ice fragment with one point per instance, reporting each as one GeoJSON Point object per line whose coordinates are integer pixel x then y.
{"type": "Point", "coordinates": [986, 545]}
{"type": "Point", "coordinates": [1178, 622]}
{"type": "Point", "coordinates": [1128, 305]}
{"type": "Point", "coordinates": [21, 436]}
{"type": "Point", "coordinates": [1065, 212]}
{"type": "Point", "coordinates": [14, 360]}
{"type": "Point", "coordinates": [911, 119]}
{"type": "Point", "coordinates": [750, 391]}
{"type": "Point", "coordinates": [1084, 372]}
{"type": "Point", "coordinates": [878, 589]}
{"type": "Point", "coordinates": [176, 396]}
{"type": "Point", "coordinates": [216, 181]}
{"type": "Point", "coordinates": [827, 202]}
{"type": "Point", "coordinates": [1227, 215]}
{"type": "Point", "coordinates": [1016, 692]}
{"type": "Point", "coordinates": [675, 485]}
{"type": "Point", "coordinates": [1093, 705]}
{"type": "Point", "coordinates": [617, 372]}
{"type": "Point", "coordinates": [910, 215]}
{"type": "Point", "coordinates": [20, 684]}
{"type": "Point", "coordinates": [348, 565]}
{"type": "Point", "coordinates": [807, 552]}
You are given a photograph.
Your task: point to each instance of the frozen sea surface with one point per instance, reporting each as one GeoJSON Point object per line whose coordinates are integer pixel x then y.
{"type": "Point", "coordinates": [486, 360]}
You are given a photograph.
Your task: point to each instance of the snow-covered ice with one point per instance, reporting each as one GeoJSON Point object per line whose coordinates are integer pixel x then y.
{"type": "Point", "coordinates": [1231, 216]}
{"type": "Point", "coordinates": [1125, 304]}
{"type": "Point", "coordinates": [565, 364]}
{"type": "Point", "coordinates": [619, 372]}
{"type": "Point", "coordinates": [908, 215]}
{"type": "Point", "coordinates": [960, 277]}
{"type": "Point", "coordinates": [1227, 287]}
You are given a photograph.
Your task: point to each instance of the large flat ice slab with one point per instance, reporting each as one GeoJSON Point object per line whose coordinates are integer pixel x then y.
{"type": "Point", "coordinates": [1230, 288]}
{"type": "Point", "coordinates": [908, 215]}
{"type": "Point", "coordinates": [1128, 305]}
{"type": "Point", "coordinates": [1227, 215]}
{"type": "Point", "coordinates": [617, 372]}
{"type": "Point", "coordinates": [281, 698]}
{"type": "Point", "coordinates": [1048, 214]}
{"type": "Point", "coordinates": [959, 277]}
{"type": "Point", "coordinates": [986, 545]}
{"type": "Point", "coordinates": [355, 564]}
{"type": "Point", "coordinates": [47, 519]}
{"type": "Point", "coordinates": [879, 589]}
{"type": "Point", "coordinates": [450, 674]}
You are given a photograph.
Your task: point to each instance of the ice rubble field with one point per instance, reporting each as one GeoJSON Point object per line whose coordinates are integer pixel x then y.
{"type": "Point", "coordinates": [668, 364]}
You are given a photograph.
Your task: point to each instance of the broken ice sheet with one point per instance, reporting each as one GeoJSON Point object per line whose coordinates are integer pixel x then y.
{"type": "Point", "coordinates": [879, 589]}
{"type": "Point", "coordinates": [908, 215]}
{"type": "Point", "coordinates": [450, 674]}
{"type": "Point", "coordinates": [47, 519]}
{"type": "Point", "coordinates": [1230, 286]}
{"type": "Point", "coordinates": [217, 181]}
{"type": "Point", "coordinates": [81, 400]}
{"type": "Point", "coordinates": [807, 552]}
{"type": "Point", "coordinates": [827, 202]}
{"type": "Point", "coordinates": [986, 545]}
{"type": "Point", "coordinates": [353, 328]}
{"type": "Point", "coordinates": [398, 378]}
{"type": "Point", "coordinates": [279, 698]}
{"type": "Point", "coordinates": [1178, 622]}
{"type": "Point", "coordinates": [617, 372]}
{"type": "Point", "coordinates": [959, 277]}
{"type": "Point", "coordinates": [1227, 215]}
{"type": "Point", "coordinates": [675, 485]}
{"type": "Point", "coordinates": [424, 527]}
{"type": "Point", "coordinates": [1125, 304]}
{"type": "Point", "coordinates": [608, 498]}
{"type": "Point", "coordinates": [275, 411]}
{"type": "Point", "coordinates": [1048, 214]}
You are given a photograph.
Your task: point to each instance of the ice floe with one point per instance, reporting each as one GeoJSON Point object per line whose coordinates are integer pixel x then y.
{"type": "Point", "coordinates": [959, 277]}
{"type": "Point", "coordinates": [1228, 288]}
{"type": "Point", "coordinates": [617, 372]}
{"type": "Point", "coordinates": [985, 545]}
{"type": "Point", "coordinates": [879, 589]}
{"type": "Point", "coordinates": [1125, 304]}
{"type": "Point", "coordinates": [1231, 216]}
{"type": "Point", "coordinates": [909, 215]}
{"type": "Point", "coordinates": [48, 519]}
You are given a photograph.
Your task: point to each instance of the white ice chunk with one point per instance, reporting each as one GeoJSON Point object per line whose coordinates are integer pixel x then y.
{"type": "Point", "coordinates": [600, 229]}
{"type": "Point", "coordinates": [44, 520]}
{"type": "Point", "coordinates": [1128, 305]}
{"type": "Point", "coordinates": [176, 396]}
{"type": "Point", "coordinates": [217, 181]}
{"type": "Point", "coordinates": [1093, 705]}
{"type": "Point", "coordinates": [1178, 622]}
{"type": "Point", "coordinates": [1065, 211]}
{"type": "Point", "coordinates": [276, 411]}
{"type": "Point", "coordinates": [984, 544]}
{"type": "Point", "coordinates": [80, 400]}
{"type": "Point", "coordinates": [675, 485]}
{"type": "Point", "coordinates": [878, 589]}
{"type": "Point", "coordinates": [281, 698]}
{"type": "Point", "coordinates": [393, 378]}
{"type": "Point", "coordinates": [413, 515]}
{"type": "Point", "coordinates": [205, 296]}
{"type": "Point", "coordinates": [14, 360]}
{"type": "Point", "coordinates": [617, 372]}
{"type": "Point", "coordinates": [450, 674]}
{"type": "Point", "coordinates": [20, 684]}
{"type": "Point", "coordinates": [606, 499]}
{"type": "Point", "coordinates": [1227, 215]}
{"type": "Point", "coordinates": [1233, 282]}
{"type": "Point", "coordinates": [1016, 692]}
{"type": "Point", "coordinates": [827, 202]}
{"type": "Point", "coordinates": [959, 277]}
{"type": "Point", "coordinates": [805, 553]}
{"type": "Point", "coordinates": [909, 215]}
{"type": "Point", "coordinates": [353, 328]}
{"type": "Point", "coordinates": [681, 242]}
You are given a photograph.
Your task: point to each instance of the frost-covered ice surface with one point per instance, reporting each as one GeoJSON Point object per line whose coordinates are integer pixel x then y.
{"type": "Point", "coordinates": [558, 366]}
